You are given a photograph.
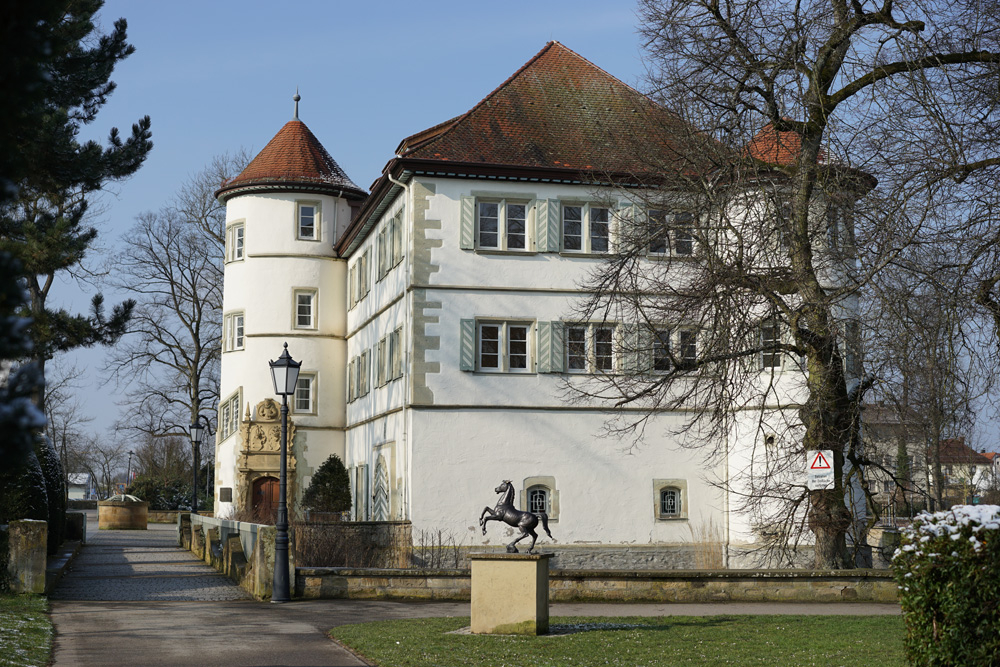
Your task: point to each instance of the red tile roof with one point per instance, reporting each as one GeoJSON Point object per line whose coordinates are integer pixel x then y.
{"type": "Point", "coordinates": [777, 148]}
{"type": "Point", "coordinates": [293, 157]}
{"type": "Point", "coordinates": [559, 111]}
{"type": "Point", "coordinates": [955, 451]}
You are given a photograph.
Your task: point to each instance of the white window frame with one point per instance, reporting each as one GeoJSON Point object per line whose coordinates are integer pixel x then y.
{"type": "Point", "coordinates": [684, 337]}
{"type": "Point", "coordinates": [508, 345]}
{"type": "Point", "coordinates": [313, 308]}
{"type": "Point", "coordinates": [587, 226]}
{"type": "Point", "coordinates": [660, 349]}
{"type": "Point", "coordinates": [593, 347]}
{"type": "Point", "coordinates": [316, 220]}
{"type": "Point", "coordinates": [503, 231]}
{"type": "Point", "coordinates": [306, 381]}
{"type": "Point", "coordinates": [666, 234]}
{"type": "Point", "coordinates": [235, 332]}
{"type": "Point", "coordinates": [235, 241]}
{"type": "Point", "coordinates": [229, 414]}
{"type": "Point", "coordinates": [775, 359]}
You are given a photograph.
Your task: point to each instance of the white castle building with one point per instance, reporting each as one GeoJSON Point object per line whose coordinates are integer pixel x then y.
{"type": "Point", "coordinates": [433, 318]}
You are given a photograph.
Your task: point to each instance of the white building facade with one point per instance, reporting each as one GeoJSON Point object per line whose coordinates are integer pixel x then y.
{"type": "Point", "coordinates": [441, 342]}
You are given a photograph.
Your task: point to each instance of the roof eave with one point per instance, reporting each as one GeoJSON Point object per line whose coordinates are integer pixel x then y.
{"type": "Point", "coordinates": [228, 191]}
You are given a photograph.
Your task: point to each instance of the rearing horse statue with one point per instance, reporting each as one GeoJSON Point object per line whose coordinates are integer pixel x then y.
{"type": "Point", "coordinates": [506, 512]}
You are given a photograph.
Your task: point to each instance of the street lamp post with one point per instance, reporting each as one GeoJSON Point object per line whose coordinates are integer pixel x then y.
{"type": "Point", "coordinates": [285, 375]}
{"type": "Point", "coordinates": [197, 430]}
{"type": "Point", "coordinates": [128, 473]}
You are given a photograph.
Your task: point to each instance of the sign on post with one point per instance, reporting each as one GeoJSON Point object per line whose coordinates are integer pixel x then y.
{"type": "Point", "coordinates": [819, 469]}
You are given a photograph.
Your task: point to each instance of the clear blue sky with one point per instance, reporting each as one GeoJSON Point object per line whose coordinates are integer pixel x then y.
{"type": "Point", "coordinates": [216, 75]}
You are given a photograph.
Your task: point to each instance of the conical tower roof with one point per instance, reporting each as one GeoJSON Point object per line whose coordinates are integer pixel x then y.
{"type": "Point", "coordinates": [294, 160]}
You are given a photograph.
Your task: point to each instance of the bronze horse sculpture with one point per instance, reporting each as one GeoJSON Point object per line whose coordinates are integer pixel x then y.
{"type": "Point", "coordinates": [506, 512]}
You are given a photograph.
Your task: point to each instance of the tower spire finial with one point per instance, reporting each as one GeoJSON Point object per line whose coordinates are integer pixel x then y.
{"type": "Point", "coordinates": [296, 98]}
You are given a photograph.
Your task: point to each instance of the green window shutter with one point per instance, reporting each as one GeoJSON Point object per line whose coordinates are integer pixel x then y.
{"type": "Point", "coordinates": [644, 349]}
{"type": "Point", "coordinates": [631, 347]}
{"type": "Point", "coordinates": [554, 226]}
{"type": "Point", "coordinates": [467, 346]}
{"type": "Point", "coordinates": [467, 229]}
{"type": "Point", "coordinates": [544, 347]}
{"type": "Point", "coordinates": [542, 225]}
{"type": "Point", "coordinates": [556, 355]}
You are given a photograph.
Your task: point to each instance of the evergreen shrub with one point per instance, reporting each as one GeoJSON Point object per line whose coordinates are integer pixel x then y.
{"type": "Point", "coordinates": [948, 571]}
{"type": "Point", "coordinates": [330, 488]}
{"type": "Point", "coordinates": [167, 494]}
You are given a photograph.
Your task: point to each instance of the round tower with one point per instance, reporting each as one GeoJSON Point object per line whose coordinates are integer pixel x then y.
{"type": "Point", "coordinates": [282, 283]}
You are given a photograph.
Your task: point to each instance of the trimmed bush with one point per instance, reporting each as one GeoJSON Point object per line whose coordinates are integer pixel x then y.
{"type": "Point", "coordinates": [948, 571]}
{"type": "Point", "coordinates": [330, 488]}
{"type": "Point", "coordinates": [167, 494]}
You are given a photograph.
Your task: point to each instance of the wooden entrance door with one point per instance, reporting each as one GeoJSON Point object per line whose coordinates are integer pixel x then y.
{"type": "Point", "coordinates": [265, 500]}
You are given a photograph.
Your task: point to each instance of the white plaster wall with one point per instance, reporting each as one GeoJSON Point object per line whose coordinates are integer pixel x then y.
{"type": "Point", "coordinates": [262, 287]}
{"type": "Point", "coordinates": [606, 492]}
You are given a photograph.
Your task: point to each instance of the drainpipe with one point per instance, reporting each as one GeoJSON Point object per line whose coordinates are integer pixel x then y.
{"type": "Point", "coordinates": [408, 318]}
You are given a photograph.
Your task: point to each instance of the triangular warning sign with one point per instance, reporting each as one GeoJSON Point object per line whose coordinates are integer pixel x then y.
{"type": "Point", "coordinates": [820, 462]}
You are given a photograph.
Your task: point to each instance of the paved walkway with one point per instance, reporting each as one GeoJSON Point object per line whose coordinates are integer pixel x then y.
{"type": "Point", "coordinates": [134, 598]}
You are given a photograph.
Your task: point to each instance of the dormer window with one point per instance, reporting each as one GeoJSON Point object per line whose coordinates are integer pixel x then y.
{"type": "Point", "coordinates": [308, 221]}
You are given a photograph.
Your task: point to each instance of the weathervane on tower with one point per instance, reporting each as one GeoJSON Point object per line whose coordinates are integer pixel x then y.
{"type": "Point", "coordinates": [296, 98]}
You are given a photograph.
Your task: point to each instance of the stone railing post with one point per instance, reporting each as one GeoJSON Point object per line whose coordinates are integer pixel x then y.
{"type": "Point", "coordinates": [27, 545]}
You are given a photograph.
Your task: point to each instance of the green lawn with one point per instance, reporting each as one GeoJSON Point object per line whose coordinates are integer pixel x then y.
{"type": "Point", "coordinates": [788, 641]}
{"type": "Point", "coordinates": [25, 631]}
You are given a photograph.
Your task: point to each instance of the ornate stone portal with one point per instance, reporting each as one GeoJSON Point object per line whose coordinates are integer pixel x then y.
{"type": "Point", "coordinates": [260, 452]}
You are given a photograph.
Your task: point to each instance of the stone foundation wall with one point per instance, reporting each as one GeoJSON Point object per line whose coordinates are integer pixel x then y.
{"type": "Point", "coordinates": [613, 586]}
{"type": "Point", "coordinates": [369, 544]}
{"type": "Point", "coordinates": [585, 556]}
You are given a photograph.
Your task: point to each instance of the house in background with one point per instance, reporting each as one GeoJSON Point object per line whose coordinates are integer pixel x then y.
{"type": "Point", "coordinates": [434, 319]}
{"type": "Point", "coordinates": [966, 473]}
{"type": "Point", "coordinates": [81, 486]}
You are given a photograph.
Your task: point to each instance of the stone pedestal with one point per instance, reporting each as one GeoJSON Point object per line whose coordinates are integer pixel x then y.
{"type": "Point", "coordinates": [510, 594]}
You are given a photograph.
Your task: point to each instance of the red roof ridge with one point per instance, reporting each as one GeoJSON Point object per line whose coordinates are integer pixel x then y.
{"type": "Point", "coordinates": [458, 119]}
{"type": "Point", "coordinates": [454, 122]}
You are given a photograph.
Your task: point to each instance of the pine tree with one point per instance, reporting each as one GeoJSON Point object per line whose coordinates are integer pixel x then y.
{"type": "Point", "coordinates": [330, 488]}
{"type": "Point", "coordinates": [52, 174]}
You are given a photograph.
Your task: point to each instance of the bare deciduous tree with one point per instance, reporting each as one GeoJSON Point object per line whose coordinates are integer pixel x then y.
{"type": "Point", "coordinates": [172, 263]}
{"type": "Point", "coordinates": [830, 137]}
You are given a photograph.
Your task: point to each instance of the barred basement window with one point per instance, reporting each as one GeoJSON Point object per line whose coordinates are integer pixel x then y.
{"type": "Point", "coordinates": [670, 499]}
{"type": "Point", "coordinates": [538, 499]}
{"type": "Point", "coordinates": [670, 502]}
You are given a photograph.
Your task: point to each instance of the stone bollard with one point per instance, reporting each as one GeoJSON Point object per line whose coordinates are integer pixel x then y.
{"type": "Point", "coordinates": [184, 530]}
{"type": "Point", "coordinates": [27, 543]}
{"type": "Point", "coordinates": [510, 593]}
{"type": "Point", "coordinates": [76, 526]}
